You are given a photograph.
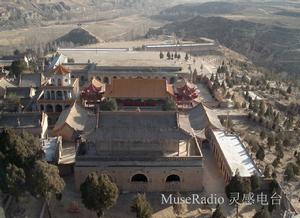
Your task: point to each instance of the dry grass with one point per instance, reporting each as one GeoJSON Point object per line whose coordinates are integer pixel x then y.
{"type": "Point", "coordinates": [115, 29]}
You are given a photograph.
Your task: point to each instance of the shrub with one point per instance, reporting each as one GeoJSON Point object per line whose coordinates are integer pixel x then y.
{"type": "Point", "coordinates": [260, 154]}
{"type": "Point", "coordinates": [141, 206]}
{"type": "Point", "coordinates": [276, 162]}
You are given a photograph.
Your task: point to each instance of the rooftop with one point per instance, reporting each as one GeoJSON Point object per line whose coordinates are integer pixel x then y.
{"type": "Point", "coordinates": [4, 83]}
{"type": "Point", "coordinates": [31, 80]}
{"type": "Point", "coordinates": [20, 120]}
{"type": "Point", "coordinates": [60, 69]}
{"type": "Point", "coordinates": [235, 154]}
{"type": "Point", "coordinates": [201, 117]}
{"type": "Point", "coordinates": [120, 58]}
{"type": "Point", "coordinates": [21, 92]}
{"type": "Point", "coordinates": [75, 116]}
{"type": "Point", "coordinates": [143, 126]}
{"type": "Point", "coordinates": [139, 88]}
{"type": "Point", "coordinates": [179, 45]}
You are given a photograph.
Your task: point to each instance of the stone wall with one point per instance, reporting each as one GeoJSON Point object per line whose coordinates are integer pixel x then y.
{"type": "Point", "coordinates": [190, 177]}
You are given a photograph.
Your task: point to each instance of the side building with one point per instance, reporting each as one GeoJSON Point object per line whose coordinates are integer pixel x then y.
{"type": "Point", "coordinates": [141, 151]}
{"type": "Point", "coordinates": [59, 93]}
{"type": "Point", "coordinates": [106, 74]}
{"type": "Point", "coordinates": [143, 93]}
{"type": "Point", "coordinates": [35, 123]}
{"type": "Point", "coordinates": [231, 155]}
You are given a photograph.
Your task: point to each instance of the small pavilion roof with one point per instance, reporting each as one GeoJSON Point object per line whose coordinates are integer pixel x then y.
{"type": "Point", "coordinates": [60, 69]}
{"type": "Point", "coordinates": [95, 86]}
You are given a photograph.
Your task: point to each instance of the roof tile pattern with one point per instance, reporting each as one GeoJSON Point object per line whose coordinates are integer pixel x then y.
{"type": "Point", "coordinates": [139, 88]}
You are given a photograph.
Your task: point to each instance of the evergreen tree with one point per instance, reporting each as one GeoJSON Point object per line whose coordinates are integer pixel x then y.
{"type": "Point", "coordinates": [262, 213]}
{"type": "Point", "coordinates": [168, 55]}
{"type": "Point", "coordinates": [289, 90]}
{"type": "Point", "coordinates": [98, 193]}
{"type": "Point", "coordinates": [15, 180]}
{"type": "Point", "coordinates": [218, 213]}
{"type": "Point", "coordinates": [180, 208]}
{"type": "Point", "coordinates": [255, 182]}
{"type": "Point", "coordinates": [244, 105]}
{"type": "Point", "coordinates": [109, 105]}
{"type": "Point", "coordinates": [267, 172]}
{"type": "Point", "coordinates": [21, 168]}
{"type": "Point", "coordinates": [45, 180]}
{"type": "Point", "coordinates": [271, 141]}
{"type": "Point", "coordinates": [141, 207]}
{"type": "Point", "coordinates": [17, 52]}
{"type": "Point", "coordinates": [161, 55]}
{"type": "Point", "coordinates": [260, 154]}
{"type": "Point", "coordinates": [169, 105]}
{"type": "Point", "coordinates": [276, 162]}
{"type": "Point", "coordinates": [186, 57]}
{"type": "Point", "coordinates": [237, 185]}
{"type": "Point", "coordinates": [262, 135]}
{"type": "Point", "coordinates": [17, 67]}
{"type": "Point", "coordinates": [262, 108]}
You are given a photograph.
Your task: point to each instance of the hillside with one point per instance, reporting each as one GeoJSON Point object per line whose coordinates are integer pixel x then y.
{"type": "Point", "coordinates": [27, 13]}
{"type": "Point", "coordinates": [185, 11]}
{"type": "Point", "coordinates": [76, 37]}
{"type": "Point", "coordinates": [271, 46]}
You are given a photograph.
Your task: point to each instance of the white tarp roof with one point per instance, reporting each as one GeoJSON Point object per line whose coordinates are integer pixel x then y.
{"type": "Point", "coordinates": [235, 153]}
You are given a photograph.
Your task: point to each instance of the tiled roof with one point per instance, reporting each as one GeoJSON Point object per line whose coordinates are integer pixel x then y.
{"type": "Point", "coordinates": [20, 120]}
{"type": "Point", "coordinates": [135, 126]}
{"type": "Point", "coordinates": [61, 70]}
{"type": "Point", "coordinates": [138, 88]}
{"type": "Point", "coordinates": [21, 92]}
{"type": "Point", "coordinates": [75, 116]}
{"type": "Point", "coordinates": [31, 80]}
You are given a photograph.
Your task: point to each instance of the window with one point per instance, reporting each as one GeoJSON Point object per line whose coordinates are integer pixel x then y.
{"type": "Point", "coordinates": [139, 178]}
{"type": "Point", "coordinates": [58, 108]}
{"type": "Point", "coordinates": [49, 108]}
{"type": "Point", "coordinates": [173, 178]}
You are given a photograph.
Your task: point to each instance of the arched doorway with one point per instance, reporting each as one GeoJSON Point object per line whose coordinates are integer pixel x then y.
{"type": "Point", "coordinates": [47, 95]}
{"type": "Point", "coordinates": [139, 178]}
{"type": "Point", "coordinates": [42, 108]}
{"type": "Point", "coordinates": [49, 108]}
{"type": "Point", "coordinates": [58, 108]}
{"type": "Point", "coordinates": [52, 95]}
{"type": "Point", "coordinates": [106, 80]}
{"type": "Point", "coordinates": [59, 95]}
{"type": "Point", "coordinates": [173, 178]}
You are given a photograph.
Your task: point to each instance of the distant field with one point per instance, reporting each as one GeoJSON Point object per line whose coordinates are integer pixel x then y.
{"type": "Point", "coordinates": [116, 29]}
